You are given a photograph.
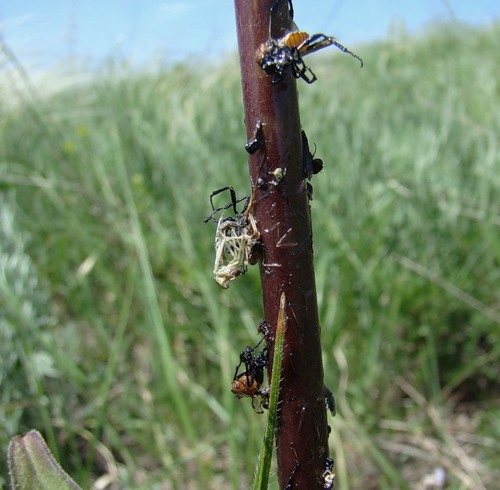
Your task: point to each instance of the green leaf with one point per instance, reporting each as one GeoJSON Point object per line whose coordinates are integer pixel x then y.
{"type": "Point", "coordinates": [32, 466]}
{"type": "Point", "coordinates": [261, 481]}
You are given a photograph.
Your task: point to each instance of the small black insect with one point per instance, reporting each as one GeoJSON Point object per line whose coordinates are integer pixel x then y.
{"type": "Point", "coordinates": [264, 329]}
{"type": "Point", "coordinates": [257, 141]}
{"type": "Point", "coordinates": [329, 474]}
{"type": "Point", "coordinates": [330, 400]}
{"type": "Point", "coordinates": [312, 166]}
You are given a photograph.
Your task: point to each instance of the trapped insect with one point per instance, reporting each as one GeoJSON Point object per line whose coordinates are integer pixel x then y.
{"type": "Point", "coordinates": [329, 474]}
{"type": "Point", "coordinates": [257, 140]}
{"type": "Point", "coordinates": [237, 241]}
{"type": "Point", "coordinates": [277, 56]}
{"type": "Point", "coordinates": [330, 400]}
{"type": "Point", "coordinates": [312, 166]}
{"type": "Point", "coordinates": [249, 381]}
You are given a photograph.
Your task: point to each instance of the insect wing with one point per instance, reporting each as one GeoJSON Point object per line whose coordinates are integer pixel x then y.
{"type": "Point", "coordinates": [316, 42]}
{"type": "Point", "coordinates": [319, 41]}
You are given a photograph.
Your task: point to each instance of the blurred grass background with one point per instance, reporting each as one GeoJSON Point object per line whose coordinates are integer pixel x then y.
{"type": "Point", "coordinates": [119, 347]}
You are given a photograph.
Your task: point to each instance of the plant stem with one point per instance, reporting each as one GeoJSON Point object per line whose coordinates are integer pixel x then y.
{"type": "Point", "coordinates": [281, 209]}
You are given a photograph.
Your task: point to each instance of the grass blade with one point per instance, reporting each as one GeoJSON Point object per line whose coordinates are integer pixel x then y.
{"type": "Point", "coordinates": [264, 463]}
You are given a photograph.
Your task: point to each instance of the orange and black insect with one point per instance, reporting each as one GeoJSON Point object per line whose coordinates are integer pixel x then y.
{"type": "Point", "coordinates": [246, 385]}
{"type": "Point", "coordinates": [249, 381]}
{"type": "Point", "coordinates": [277, 56]}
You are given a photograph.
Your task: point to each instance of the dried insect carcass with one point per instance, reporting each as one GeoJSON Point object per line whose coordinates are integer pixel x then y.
{"type": "Point", "coordinates": [236, 244]}
{"type": "Point", "coordinates": [237, 240]}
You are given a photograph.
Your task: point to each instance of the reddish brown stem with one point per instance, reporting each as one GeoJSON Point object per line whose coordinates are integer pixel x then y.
{"type": "Point", "coordinates": [282, 212]}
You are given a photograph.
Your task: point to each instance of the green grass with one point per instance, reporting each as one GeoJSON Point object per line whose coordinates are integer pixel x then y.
{"type": "Point", "coordinates": [119, 347]}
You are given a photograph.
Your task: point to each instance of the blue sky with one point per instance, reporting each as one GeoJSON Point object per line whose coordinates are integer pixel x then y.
{"type": "Point", "coordinates": [43, 34]}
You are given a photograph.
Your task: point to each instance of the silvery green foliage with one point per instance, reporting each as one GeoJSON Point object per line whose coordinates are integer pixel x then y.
{"type": "Point", "coordinates": [24, 318]}
{"type": "Point", "coordinates": [32, 465]}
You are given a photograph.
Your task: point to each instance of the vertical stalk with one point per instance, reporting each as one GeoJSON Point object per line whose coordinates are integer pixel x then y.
{"type": "Point", "coordinates": [281, 209]}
